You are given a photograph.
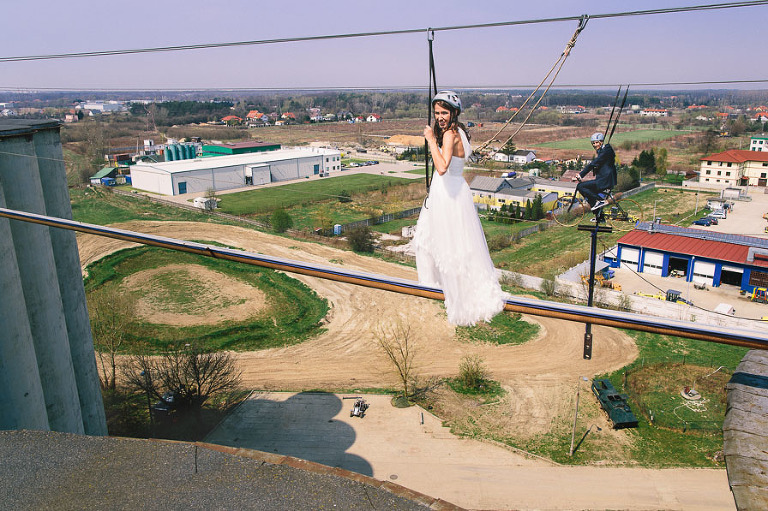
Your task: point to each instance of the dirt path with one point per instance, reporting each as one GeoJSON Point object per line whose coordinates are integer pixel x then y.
{"type": "Point", "coordinates": [346, 356]}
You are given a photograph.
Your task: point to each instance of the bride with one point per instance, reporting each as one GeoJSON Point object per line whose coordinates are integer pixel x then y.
{"type": "Point", "coordinates": [450, 246]}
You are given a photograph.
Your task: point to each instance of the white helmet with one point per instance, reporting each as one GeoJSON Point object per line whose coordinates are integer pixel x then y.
{"type": "Point", "coordinates": [597, 137]}
{"type": "Point", "coordinates": [449, 97]}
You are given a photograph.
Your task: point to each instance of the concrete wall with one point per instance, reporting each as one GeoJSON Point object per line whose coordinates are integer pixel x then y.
{"type": "Point", "coordinates": [48, 368]}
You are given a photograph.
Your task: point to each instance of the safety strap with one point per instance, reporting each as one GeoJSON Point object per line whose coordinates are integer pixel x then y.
{"type": "Point", "coordinates": [616, 121]}
{"type": "Point", "coordinates": [432, 91]}
{"type": "Point", "coordinates": [559, 65]}
{"type": "Point", "coordinates": [613, 110]}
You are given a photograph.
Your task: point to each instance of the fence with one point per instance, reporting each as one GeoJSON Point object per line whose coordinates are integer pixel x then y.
{"type": "Point", "coordinates": [190, 207]}
{"type": "Point", "coordinates": [388, 217]}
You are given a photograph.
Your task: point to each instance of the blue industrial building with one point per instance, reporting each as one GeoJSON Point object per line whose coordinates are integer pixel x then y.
{"type": "Point", "coordinates": [703, 257]}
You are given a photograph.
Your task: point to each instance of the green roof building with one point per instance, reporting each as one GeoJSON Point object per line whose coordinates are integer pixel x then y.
{"type": "Point", "coordinates": [238, 148]}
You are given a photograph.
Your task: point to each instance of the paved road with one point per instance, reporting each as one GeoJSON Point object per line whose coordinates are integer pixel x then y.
{"type": "Point", "coordinates": [412, 448]}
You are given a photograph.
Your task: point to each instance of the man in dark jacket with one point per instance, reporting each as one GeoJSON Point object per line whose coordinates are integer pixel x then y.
{"type": "Point", "coordinates": [604, 168]}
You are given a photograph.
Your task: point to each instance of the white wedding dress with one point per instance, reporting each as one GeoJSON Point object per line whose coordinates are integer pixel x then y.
{"type": "Point", "coordinates": [451, 251]}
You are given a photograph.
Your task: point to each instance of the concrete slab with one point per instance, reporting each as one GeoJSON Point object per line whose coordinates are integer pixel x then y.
{"type": "Point", "coordinates": [412, 448]}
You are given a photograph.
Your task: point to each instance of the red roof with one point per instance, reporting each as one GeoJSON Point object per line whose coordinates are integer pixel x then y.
{"type": "Point", "coordinates": [717, 250]}
{"type": "Point", "coordinates": [737, 156]}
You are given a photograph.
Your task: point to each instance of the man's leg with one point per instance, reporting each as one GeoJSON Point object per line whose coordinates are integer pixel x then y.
{"type": "Point", "coordinates": [588, 189]}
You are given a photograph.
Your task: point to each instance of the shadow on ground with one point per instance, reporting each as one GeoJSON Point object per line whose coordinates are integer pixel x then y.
{"type": "Point", "coordinates": [303, 425]}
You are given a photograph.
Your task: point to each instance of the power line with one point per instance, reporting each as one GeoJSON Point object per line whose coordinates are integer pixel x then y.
{"type": "Point", "coordinates": [393, 88]}
{"type": "Point", "coordinates": [157, 49]}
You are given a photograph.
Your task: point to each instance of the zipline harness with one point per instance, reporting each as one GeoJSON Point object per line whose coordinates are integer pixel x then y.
{"type": "Point", "coordinates": [559, 65]}
{"type": "Point", "coordinates": [606, 136]}
{"type": "Point", "coordinates": [432, 92]}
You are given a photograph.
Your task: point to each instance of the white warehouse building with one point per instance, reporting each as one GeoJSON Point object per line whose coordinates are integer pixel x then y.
{"type": "Point", "coordinates": [233, 171]}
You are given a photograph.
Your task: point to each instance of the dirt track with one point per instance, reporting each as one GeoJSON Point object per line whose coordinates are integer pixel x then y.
{"type": "Point", "coordinates": [346, 356]}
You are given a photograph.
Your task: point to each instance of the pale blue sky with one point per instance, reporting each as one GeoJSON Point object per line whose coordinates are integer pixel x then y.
{"type": "Point", "coordinates": [682, 47]}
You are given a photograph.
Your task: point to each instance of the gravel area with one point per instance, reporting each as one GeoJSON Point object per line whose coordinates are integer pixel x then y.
{"type": "Point", "coordinates": [45, 470]}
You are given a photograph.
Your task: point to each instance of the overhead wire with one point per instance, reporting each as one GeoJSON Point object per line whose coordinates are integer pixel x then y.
{"type": "Point", "coordinates": [393, 88]}
{"type": "Point", "coordinates": [647, 12]}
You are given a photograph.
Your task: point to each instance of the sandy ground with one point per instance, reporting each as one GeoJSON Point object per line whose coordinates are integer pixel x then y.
{"type": "Point", "coordinates": [346, 355]}
{"type": "Point", "coordinates": [539, 376]}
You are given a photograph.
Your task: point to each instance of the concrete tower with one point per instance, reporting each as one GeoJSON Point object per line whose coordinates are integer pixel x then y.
{"type": "Point", "coordinates": [44, 330]}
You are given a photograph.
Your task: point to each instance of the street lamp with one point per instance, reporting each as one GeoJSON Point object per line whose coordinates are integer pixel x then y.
{"type": "Point", "coordinates": [576, 414]}
{"type": "Point", "coordinates": [654, 208]}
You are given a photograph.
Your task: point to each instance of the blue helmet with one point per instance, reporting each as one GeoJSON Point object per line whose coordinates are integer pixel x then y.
{"type": "Point", "coordinates": [449, 97]}
{"type": "Point", "coordinates": [597, 137]}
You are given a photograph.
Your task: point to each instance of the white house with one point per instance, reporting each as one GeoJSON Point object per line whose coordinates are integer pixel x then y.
{"type": "Point", "coordinates": [654, 112]}
{"type": "Point", "coordinates": [523, 156]}
{"type": "Point", "coordinates": [759, 143]}
{"type": "Point", "coordinates": [373, 118]}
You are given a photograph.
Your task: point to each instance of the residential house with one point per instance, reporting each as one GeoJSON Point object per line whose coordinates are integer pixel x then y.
{"type": "Point", "coordinates": [493, 192]}
{"type": "Point", "coordinates": [373, 118]}
{"type": "Point", "coordinates": [654, 112]}
{"type": "Point", "coordinates": [759, 143]}
{"type": "Point", "coordinates": [522, 156]}
{"type": "Point", "coordinates": [520, 197]}
{"type": "Point", "coordinates": [232, 120]}
{"type": "Point", "coordinates": [486, 190]}
{"type": "Point", "coordinates": [735, 167]}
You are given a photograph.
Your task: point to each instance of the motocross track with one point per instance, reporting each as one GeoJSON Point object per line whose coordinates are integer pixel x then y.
{"type": "Point", "coordinates": [346, 355]}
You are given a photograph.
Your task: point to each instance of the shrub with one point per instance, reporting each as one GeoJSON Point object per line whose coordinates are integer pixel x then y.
{"type": "Point", "coordinates": [499, 242]}
{"type": "Point", "coordinates": [360, 239]}
{"type": "Point", "coordinates": [472, 372]}
{"type": "Point", "coordinates": [281, 221]}
{"type": "Point", "coordinates": [548, 287]}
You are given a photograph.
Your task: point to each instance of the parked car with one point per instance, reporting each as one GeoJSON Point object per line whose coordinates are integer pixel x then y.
{"type": "Point", "coordinates": [712, 219]}
{"type": "Point", "coordinates": [706, 222]}
{"type": "Point", "coordinates": [614, 404]}
{"type": "Point", "coordinates": [718, 213]}
{"type": "Point", "coordinates": [168, 404]}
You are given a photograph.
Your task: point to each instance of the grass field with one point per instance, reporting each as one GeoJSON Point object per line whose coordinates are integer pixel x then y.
{"type": "Point", "coordinates": [640, 136]}
{"type": "Point", "coordinates": [102, 207]}
{"type": "Point", "coordinates": [268, 199]}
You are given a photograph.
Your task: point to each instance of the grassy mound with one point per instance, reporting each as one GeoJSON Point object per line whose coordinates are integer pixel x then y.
{"type": "Point", "coordinates": [292, 312]}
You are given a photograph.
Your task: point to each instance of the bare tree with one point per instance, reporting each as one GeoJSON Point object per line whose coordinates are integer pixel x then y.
{"type": "Point", "coordinates": [190, 372]}
{"type": "Point", "coordinates": [210, 194]}
{"type": "Point", "coordinates": [111, 312]}
{"type": "Point", "coordinates": [396, 341]}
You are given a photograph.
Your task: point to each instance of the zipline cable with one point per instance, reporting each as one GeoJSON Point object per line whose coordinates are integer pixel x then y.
{"type": "Point", "coordinates": [706, 7]}
{"type": "Point", "coordinates": [399, 88]}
